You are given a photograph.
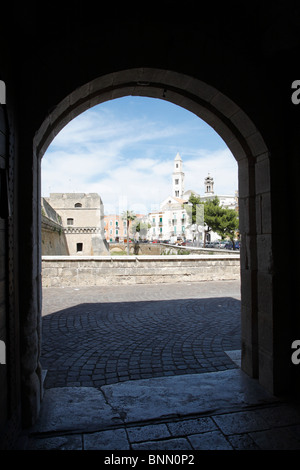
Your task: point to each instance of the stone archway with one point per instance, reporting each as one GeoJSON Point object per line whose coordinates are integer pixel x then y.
{"type": "Point", "coordinates": [248, 147]}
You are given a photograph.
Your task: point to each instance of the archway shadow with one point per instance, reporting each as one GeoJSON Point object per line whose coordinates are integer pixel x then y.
{"type": "Point", "coordinates": [96, 344]}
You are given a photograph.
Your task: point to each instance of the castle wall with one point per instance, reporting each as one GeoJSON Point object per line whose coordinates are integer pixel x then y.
{"type": "Point", "coordinates": [107, 270]}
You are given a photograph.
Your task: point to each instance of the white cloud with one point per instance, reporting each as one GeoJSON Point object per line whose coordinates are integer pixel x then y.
{"type": "Point", "coordinates": [130, 160]}
{"type": "Point", "coordinates": [221, 165]}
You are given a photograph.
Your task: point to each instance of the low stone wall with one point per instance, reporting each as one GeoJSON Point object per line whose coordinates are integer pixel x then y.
{"type": "Point", "coordinates": [63, 271]}
{"type": "Point", "coordinates": [165, 249]}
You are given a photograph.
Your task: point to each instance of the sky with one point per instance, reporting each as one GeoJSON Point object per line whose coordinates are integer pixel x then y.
{"type": "Point", "coordinates": [124, 150]}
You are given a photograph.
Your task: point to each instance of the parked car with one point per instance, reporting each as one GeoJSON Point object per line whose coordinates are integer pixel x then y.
{"type": "Point", "coordinates": [217, 244]}
{"type": "Point", "coordinates": [228, 246]}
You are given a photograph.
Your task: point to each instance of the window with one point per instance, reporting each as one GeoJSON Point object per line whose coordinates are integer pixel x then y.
{"type": "Point", "coordinates": [78, 204]}
{"type": "Point", "coordinates": [117, 223]}
{"type": "Point", "coordinates": [177, 181]}
{"type": "Point", "coordinates": [79, 247]}
{"type": "Point", "coordinates": [176, 165]}
{"type": "Point", "coordinates": [70, 221]}
{"type": "Point", "coordinates": [110, 222]}
{"type": "Point", "coordinates": [177, 193]}
{"type": "Point", "coordinates": [117, 232]}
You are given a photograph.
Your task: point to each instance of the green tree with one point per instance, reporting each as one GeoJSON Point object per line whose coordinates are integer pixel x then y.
{"type": "Point", "coordinates": [223, 221]}
{"type": "Point", "coordinates": [128, 216]}
{"type": "Point", "coordinates": [195, 211]}
{"type": "Point", "coordinates": [216, 218]}
{"type": "Point", "coordinates": [140, 227]}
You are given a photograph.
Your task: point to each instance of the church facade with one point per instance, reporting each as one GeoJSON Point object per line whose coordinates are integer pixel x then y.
{"type": "Point", "coordinates": [171, 222]}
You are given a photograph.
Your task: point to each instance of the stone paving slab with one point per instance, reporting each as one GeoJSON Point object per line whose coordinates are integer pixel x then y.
{"type": "Point", "coordinates": [106, 440]}
{"type": "Point", "coordinates": [74, 408]}
{"type": "Point", "coordinates": [88, 409]}
{"type": "Point", "coordinates": [239, 415]}
{"type": "Point", "coordinates": [187, 394]}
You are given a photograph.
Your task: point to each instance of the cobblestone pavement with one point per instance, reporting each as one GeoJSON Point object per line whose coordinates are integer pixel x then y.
{"type": "Point", "coordinates": [94, 336]}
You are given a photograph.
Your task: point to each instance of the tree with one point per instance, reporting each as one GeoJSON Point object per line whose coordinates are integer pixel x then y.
{"type": "Point", "coordinates": [128, 216]}
{"type": "Point", "coordinates": [195, 211]}
{"type": "Point", "coordinates": [223, 221]}
{"type": "Point", "coordinates": [140, 227]}
{"type": "Point", "coordinates": [216, 218]}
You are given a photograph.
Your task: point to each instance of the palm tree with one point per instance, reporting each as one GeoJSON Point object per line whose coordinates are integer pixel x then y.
{"type": "Point", "coordinates": [128, 216]}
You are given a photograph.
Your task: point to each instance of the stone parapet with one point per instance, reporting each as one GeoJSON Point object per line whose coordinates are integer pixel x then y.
{"type": "Point", "coordinates": [63, 271]}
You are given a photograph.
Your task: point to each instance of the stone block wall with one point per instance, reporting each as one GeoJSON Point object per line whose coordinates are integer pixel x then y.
{"type": "Point", "coordinates": [3, 266]}
{"type": "Point", "coordinates": [106, 270]}
{"type": "Point", "coordinates": [53, 238]}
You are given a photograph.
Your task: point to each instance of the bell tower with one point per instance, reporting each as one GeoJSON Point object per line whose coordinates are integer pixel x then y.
{"type": "Point", "coordinates": [177, 178]}
{"type": "Point", "coordinates": [209, 185]}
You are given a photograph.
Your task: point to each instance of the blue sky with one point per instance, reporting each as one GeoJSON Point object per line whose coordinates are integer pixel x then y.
{"type": "Point", "coordinates": [124, 150]}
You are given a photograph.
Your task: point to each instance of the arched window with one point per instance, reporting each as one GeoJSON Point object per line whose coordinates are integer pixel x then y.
{"type": "Point", "coordinates": [78, 204]}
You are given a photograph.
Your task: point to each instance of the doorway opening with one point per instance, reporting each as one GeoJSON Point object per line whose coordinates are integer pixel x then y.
{"type": "Point", "coordinates": [118, 149]}
{"type": "Point", "coordinates": [248, 148]}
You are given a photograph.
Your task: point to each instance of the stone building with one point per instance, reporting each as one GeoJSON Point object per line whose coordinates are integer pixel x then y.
{"type": "Point", "coordinates": [82, 218]}
{"type": "Point", "coordinates": [115, 227]}
{"type": "Point", "coordinates": [172, 220]}
{"type": "Point", "coordinates": [54, 240]}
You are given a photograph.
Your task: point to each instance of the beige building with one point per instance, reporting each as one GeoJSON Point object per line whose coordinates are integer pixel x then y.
{"type": "Point", "coordinates": [82, 218]}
